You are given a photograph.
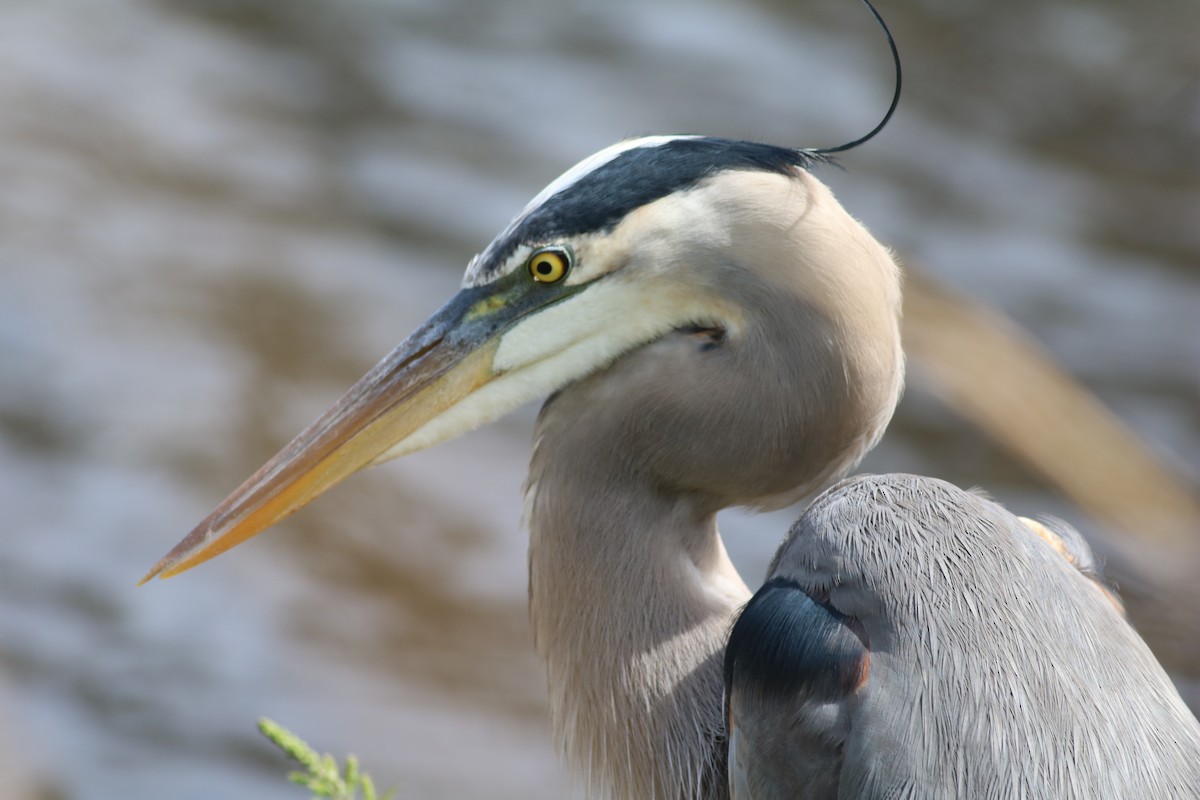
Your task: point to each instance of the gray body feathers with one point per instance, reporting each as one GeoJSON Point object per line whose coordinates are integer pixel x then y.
{"type": "Point", "coordinates": [996, 668]}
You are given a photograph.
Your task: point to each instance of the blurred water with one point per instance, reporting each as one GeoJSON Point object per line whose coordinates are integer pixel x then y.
{"type": "Point", "coordinates": [216, 215]}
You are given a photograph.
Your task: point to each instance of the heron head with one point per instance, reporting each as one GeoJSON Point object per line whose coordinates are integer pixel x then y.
{"type": "Point", "coordinates": [647, 237]}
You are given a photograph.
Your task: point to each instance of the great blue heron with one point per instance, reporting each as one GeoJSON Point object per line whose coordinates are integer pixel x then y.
{"type": "Point", "coordinates": [714, 329]}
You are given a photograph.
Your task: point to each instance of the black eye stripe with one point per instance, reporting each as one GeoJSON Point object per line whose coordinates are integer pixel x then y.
{"type": "Point", "coordinates": [597, 200]}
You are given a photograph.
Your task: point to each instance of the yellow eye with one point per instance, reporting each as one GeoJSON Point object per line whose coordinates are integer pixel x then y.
{"type": "Point", "coordinates": [549, 264]}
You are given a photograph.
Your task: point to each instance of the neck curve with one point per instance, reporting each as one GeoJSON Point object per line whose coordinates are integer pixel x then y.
{"type": "Point", "coordinates": [631, 598]}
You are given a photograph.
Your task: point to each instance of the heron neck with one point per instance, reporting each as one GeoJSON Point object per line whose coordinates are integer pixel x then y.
{"type": "Point", "coordinates": [631, 597]}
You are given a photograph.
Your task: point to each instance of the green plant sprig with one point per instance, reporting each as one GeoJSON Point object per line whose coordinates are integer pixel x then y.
{"type": "Point", "coordinates": [321, 774]}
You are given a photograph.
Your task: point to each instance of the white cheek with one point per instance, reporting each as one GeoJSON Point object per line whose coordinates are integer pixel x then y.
{"type": "Point", "coordinates": [592, 327]}
{"type": "Point", "coordinates": [562, 344]}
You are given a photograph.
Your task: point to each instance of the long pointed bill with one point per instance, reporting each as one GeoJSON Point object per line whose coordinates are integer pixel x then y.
{"type": "Point", "coordinates": [441, 363]}
{"type": "Point", "coordinates": [487, 351]}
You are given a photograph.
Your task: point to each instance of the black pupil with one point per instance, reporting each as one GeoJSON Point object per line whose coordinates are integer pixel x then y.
{"type": "Point", "coordinates": [545, 267]}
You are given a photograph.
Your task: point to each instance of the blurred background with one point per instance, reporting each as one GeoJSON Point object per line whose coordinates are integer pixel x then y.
{"type": "Point", "coordinates": [216, 214]}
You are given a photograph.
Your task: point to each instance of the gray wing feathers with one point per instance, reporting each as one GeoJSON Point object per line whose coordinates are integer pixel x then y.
{"type": "Point", "coordinates": [1070, 544]}
{"type": "Point", "coordinates": [996, 668]}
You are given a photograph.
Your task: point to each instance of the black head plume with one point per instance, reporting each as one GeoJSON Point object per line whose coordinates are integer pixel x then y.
{"type": "Point", "coordinates": [841, 148]}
